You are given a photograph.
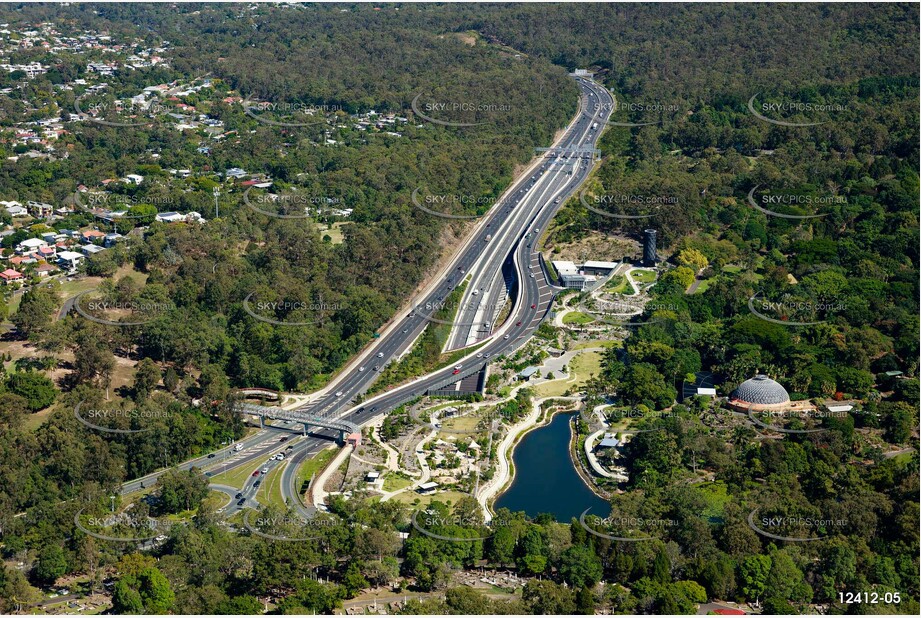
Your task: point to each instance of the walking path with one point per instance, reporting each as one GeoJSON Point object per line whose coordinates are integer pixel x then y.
{"type": "Point", "coordinates": [317, 492]}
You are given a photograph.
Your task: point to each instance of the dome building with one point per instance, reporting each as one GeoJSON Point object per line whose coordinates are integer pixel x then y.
{"type": "Point", "coordinates": [761, 393]}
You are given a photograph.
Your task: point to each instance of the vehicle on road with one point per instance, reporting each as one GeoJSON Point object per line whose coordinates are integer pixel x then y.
{"type": "Point", "coordinates": [375, 368]}
{"type": "Point", "coordinates": [476, 292]}
{"type": "Point", "coordinates": [265, 470]}
{"type": "Point", "coordinates": [241, 501]}
{"type": "Point", "coordinates": [488, 237]}
{"type": "Point", "coordinates": [380, 355]}
{"type": "Point", "coordinates": [211, 455]}
{"type": "Point", "coordinates": [532, 275]}
{"type": "Point", "coordinates": [238, 496]}
{"type": "Point", "coordinates": [284, 439]}
{"type": "Point", "coordinates": [533, 306]}
{"type": "Point", "coordinates": [257, 484]}
{"type": "Point", "coordinates": [360, 369]}
{"type": "Point", "coordinates": [518, 323]}
{"type": "Point", "coordinates": [338, 393]}
{"type": "Point", "coordinates": [480, 355]}
{"type": "Point", "coordinates": [507, 336]}
{"type": "Point", "coordinates": [238, 447]}
{"type": "Point", "coordinates": [255, 472]}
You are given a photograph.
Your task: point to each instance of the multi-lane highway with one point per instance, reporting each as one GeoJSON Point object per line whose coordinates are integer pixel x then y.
{"type": "Point", "coordinates": [527, 206]}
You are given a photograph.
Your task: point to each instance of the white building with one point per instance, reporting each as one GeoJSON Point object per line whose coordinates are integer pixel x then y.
{"type": "Point", "coordinates": [70, 259]}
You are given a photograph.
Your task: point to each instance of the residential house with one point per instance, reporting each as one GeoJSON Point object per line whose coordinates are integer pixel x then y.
{"type": "Point", "coordinates": [70, 259]}
{"type": "Point", "coordinates": [91, 249]}
{"type": "Point", "coordinates": [30, 245]}
{"type": "Point", "coordinates": [9, 276]}
{"type": "Point", "coordinates": [91, 236]}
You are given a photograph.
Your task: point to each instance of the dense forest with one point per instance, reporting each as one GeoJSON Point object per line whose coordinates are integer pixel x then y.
{"type": "Point", "coordinates": [857, 261]}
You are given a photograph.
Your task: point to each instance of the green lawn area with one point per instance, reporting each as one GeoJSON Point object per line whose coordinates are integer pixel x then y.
{"type": "Point", "coordinates": [577, 317]}
{"type": "Point", "coordinates": [447, 497]}
{"type": "Point", "coordinates": [270, 491]}
{"type": "Point", "coordinates": [468, 422]}
{"type": "Point", "coordinates": [394, 481]}
{"type": "Point", "coordinates": [334, 232]}
{"type": "Point", "coordinates": [580, 368]}
{"type": "Point", "coordinates": [314, 465]}
{"type": "Point", "coordinates": [704, 284]}
{"type": "Point", "coordinates": [716, 497]}
{"type": "Point", "coordinates": [732, 269]}
{"type": "Point", "coordinates": [607, 343]}
{"type": "Point", "coordinates": [643, 276]}
{"type": "Point", "coordinates": [616, 285]}
{"type": "Point", "coordinates": [236, 476]}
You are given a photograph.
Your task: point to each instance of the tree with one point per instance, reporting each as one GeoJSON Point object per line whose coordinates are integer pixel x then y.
{"type": "Point", "coordinates": [35, 311]}
{"type": "Point", "coordinates": [52, 564]}
{"type": "Point", "coordinates": [146, 378]}
{"type": "Point", "coordinates": [38, 390]}
{"type": "Point", "coordinates": [693, 259]}
{"type": "Point", "coordinates": [753, 571]}
{"type": "Point", "coordinates": [181, 490]}
{"type": "Point", "coordinates": [580, 567]}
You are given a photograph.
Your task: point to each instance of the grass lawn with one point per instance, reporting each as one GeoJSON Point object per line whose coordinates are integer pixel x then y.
{"type": "Point", "coordinates": [270, 491]}
{"type": "Point", "coordinates": [580, 368]}
{"type": "Point", "coordinates": [314, 465]}
{"type": "Point", "coordinates": [447, 497]}
{"type": "Point", "coordinates": [704, 284]}
{"type": "Point", "coordinates": [643, 276]}
{"type": "Point", "coordinates": [236, 476]}
{"type": "Point", "coordinates": [617, 285]}
{"type": "Point", "coordinates": [716, 497]}
{"type": "Point", "coordinates": [334, 232]}
{"type": "Point", "coordinates": [394, 481]}
{"type": "Point", "coordinates": [607, 343]}
{"type": "Point", "coordinates": [732, 269]}
{"type": "Point", "coordinates": [468, 422]}
{"type": "Point", "coordinates": [577, 317]}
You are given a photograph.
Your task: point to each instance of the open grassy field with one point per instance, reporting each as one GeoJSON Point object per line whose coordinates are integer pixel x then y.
{"type": "Point", "coordinates": [395, 481]}
{"type": "Point", "coordinates": [607, 343]}
{"type": "Point", "coordinates": [315, 464]}
{"type": "Point", "coordinates": [580, 368]}
{"type": "Point", "coordinates": [412, 498]}
{"type": "Point", "coordinates": [270, 491]}
{"type": "Point", "coordinates": [643, 276]}
{"type": "Point", "coordinates": [577, 317]}
{"type": "Point", "coordinates": [236, 476]}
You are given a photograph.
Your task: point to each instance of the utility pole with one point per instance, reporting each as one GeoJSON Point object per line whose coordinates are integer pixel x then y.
{"type": "Point", "coordinates": [217, 192]}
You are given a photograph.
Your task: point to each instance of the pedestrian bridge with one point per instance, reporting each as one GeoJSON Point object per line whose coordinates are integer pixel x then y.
{"type": "Point", "coordinates": [307, 420]}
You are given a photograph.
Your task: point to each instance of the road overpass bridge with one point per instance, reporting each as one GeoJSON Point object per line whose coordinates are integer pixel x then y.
{"type": "Point", "coordinates": [296, 416]}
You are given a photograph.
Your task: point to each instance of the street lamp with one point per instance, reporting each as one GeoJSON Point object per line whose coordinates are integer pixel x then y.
{"type": "Point", "coordinates": [113, 503]}
{"type": "Point", "coordinates": [217, 192]}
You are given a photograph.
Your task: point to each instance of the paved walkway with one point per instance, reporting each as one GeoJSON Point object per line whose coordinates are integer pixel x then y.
{"type": "Point", "coordinates": [318, 492]}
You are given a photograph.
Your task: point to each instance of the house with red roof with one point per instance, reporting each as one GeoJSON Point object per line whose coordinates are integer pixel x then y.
{"type": "Point", "coordinates": [9, 276]}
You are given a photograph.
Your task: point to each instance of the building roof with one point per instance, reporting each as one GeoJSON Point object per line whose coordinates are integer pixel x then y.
{"type": "Point", "coordinates": [565, 267]}
{"type": "Point", "coordinates": [9, 273]}
{"type": "Point", "coordinates": [761, 390]}
{"type": "Point", "coordinates": [599, 264]}
{"type": "Point", "coordinates": [609, 442]}
{"type": "Point", "coordinates": [527, 372]}
{"type": "Point", "coordinates": [70, 255]}
{"type": "Point", "coordinates": [429, 485]}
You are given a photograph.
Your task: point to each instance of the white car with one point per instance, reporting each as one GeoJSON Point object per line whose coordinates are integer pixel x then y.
{"type": "Point", "coordinates": [380, 355]}
{"type": "Point", "coordinates": [476, 292]}
{"type": "Point", "coordinates": [506, 337]}
{"type": "Point", "coordinates": [532, 275]}
{"type": "Point", "coordinates": [265, 470]}
{"type": "Point", "coordinates": [338, 393]}
{"type": "Point", "coordinates": [480, 355]}
{"type": "Point", "coordinates": [361, 369]}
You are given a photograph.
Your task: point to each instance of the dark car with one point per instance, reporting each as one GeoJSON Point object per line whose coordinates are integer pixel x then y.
{"type": "Point", "coordinates": [210, 455]}
{"type": "Point", "coordinates": [239, 495]}
{"type": "Point", "coordinates": [257, 483]}
{"type": "Point", "coordinates": [256, 473]}
{"type": "Point", "coordinates": [285, 439]}
{"type": "Point", "coordinates": [241, 501]}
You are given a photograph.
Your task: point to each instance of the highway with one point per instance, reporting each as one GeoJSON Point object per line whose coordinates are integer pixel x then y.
{"type": "Point", "coordinates": [566, 166]}
{"type": "Point", "coordinates": [529, 204]}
